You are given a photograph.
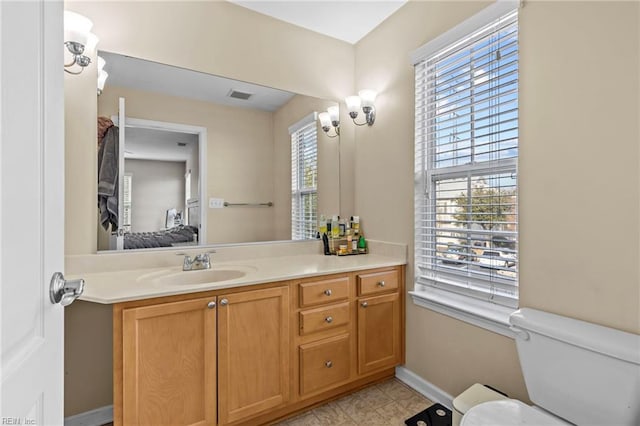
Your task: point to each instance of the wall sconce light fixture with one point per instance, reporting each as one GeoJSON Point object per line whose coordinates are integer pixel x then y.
{"type": "Point", "coordinates": [102, 75]}
{"type": "Point", "coordinates": [78, 39]}
{"type": "Point", "coordinates": [329, 120]}
{"type": "Point", "coordinates": [365, 100]}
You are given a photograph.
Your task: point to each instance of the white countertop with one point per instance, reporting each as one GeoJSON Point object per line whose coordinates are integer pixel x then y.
{"type": "Point", "coordinates": [122, 286]}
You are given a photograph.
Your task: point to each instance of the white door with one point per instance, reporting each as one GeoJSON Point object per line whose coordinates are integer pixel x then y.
{"type": "Point", "coordinates": [117, 236]}
{"type": "Point", "coordinates": [31, 211]}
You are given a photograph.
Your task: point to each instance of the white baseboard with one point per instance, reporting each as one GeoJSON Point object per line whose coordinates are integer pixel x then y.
{"type": "Point", "coordinates": [96, 417]}
{"type": "Point", "coordinates": [428, 389]}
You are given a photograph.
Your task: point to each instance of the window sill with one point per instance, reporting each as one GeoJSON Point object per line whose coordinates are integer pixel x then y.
{"type": "Point", "coordinates": [482, 314]}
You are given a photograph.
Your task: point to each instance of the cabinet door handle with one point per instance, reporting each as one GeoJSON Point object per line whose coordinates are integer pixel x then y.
{"type": "Point", "coordinates": [364, 304]}
{"type": "Point", "coordinates": [211, 305]}
{"type": "Point", "coordinates": [328, 364]}
{"type": "Point", "coordinates": [327, 292]}
{"type": "Point", "coordinates": [381, 283]}
{"type": "Point", "coordinates": [224, 302]}
{"type": "Point", "coordinates": [329, 319]}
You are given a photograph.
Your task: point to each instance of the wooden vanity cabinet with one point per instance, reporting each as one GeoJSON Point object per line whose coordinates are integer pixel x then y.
{"type": "Point", "coordinates": [170, 358]}
{"type": "Point", "coordinates": [252, 355]}
{"type": "Point", "coordinates": [253, 352]}
{"type": "Point", "coordinates": [380, 319]}
{"type": "Point", "coordinates": [168, 363]}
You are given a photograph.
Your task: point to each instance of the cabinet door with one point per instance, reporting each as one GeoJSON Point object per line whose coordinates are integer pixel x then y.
{"type": "Point", "coordinates": [253, 352]}
{"type": "Point", "coordinates": [169, 371]}
{"type": "Point", "coordinates": [378, 332]}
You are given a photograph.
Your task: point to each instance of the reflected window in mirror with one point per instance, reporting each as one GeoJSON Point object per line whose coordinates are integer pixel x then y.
{"type": "Point", "coordinates": [304, 178]}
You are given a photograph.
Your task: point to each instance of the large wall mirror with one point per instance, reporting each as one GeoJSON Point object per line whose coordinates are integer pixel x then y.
{"type": "Point", "coordinates": [211, 160]}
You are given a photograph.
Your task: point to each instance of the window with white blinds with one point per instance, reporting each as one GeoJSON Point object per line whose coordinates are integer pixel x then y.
{"type": "Point", "coordinates": [304, 179]}
{"type": "Point", "coordinates": [466, 151]}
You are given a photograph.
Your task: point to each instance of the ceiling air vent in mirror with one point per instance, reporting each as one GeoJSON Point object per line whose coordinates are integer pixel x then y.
{"type": "Point", "coordinates": [239, 95]}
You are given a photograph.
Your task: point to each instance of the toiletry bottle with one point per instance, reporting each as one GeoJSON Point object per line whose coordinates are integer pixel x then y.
{"type": "Point", "coordinates": [349, 241]}
{"type": "Point", "coordinates": [335, 227]}
{"type": "Point", "coordinates": [325, 243]}
{"type": "Point", "coordinates": [343, 227]}
{"type": "Point", "coordinates": [322, 225]}
{"type": "Point", "coordinates": [355, 224]}
{"type": "Point", "coordinates": [362, 245]}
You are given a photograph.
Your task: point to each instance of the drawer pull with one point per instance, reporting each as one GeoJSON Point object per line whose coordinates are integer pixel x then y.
{"type": "Point", "coordinates": [329, 320]}
{"type": "Point", "coordinates": [364, 304]}
{"type": "Point", "coordinates": [327, 292]}
{"type": "Point", "coordinates": [381, 283]}
{"type": "Point", "coordinates": [328, 364]}
{"type": "Point", "coordinates": [211, 305]}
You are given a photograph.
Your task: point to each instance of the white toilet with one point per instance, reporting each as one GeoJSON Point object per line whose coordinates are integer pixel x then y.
{"type": "Point", "coordinates": [574, 371]}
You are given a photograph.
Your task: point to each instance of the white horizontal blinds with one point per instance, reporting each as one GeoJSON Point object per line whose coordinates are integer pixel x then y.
{"type": "Point", "coordinates": [304, 182]}
{"type": "Point", "coordinates": [466, 164]}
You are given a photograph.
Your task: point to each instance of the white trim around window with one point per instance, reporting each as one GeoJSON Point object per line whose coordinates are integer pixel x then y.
{"type": "Point", "coordinates": [466, 152]}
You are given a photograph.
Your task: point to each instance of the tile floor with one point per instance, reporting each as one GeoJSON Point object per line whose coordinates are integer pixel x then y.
{"type": "Point", "coordinates": [388, 403]}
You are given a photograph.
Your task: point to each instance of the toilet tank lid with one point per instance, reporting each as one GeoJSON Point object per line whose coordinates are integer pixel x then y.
{"type": "Point", "coordinates": [597, 338]}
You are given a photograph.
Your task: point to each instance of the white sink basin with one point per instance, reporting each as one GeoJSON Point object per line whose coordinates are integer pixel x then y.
{"type": "Point", "coordinates": [172, 277]}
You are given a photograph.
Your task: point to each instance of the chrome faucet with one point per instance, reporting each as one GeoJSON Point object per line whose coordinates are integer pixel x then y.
{"type": "Point", "coordinates": [201, 261]}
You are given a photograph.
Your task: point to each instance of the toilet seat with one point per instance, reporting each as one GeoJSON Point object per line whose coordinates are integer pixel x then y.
{"type": "Point", "coordinates": [508, 412]}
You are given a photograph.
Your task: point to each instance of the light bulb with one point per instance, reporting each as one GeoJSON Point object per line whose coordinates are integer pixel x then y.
{"type": "Point", "coordinates": [334, 114]}
{"type": "Point", "coordinates": [102, 78]}
{"type": "Point", "coordinates": [76, 27]}
{"type": "Point", "coordinates": [101, 64]}
{"type": "Point", "coordinates": [325, 120]}
{"type": "Point", "coordinates": [368, 97]}
{"type": "Point", "coordinates": [353, 104]}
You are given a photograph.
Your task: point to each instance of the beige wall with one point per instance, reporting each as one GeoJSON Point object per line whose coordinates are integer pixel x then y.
{"type": "Point", "coordinates": [159, 186]}
{"type": "Point", "coordinates": [88, 357]}
{"type": "Point", "coordinates": [224, 39]}
{"type": "Point", "coordinates": [579, 142]}
{"type": "Point", "coordinates": [81, 158]}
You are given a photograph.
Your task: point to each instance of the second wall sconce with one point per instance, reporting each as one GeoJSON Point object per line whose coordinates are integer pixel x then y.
{"type": "Point", "coordinates": [102, 75]}
{"type": "Point", "coordinates": [330, 119]}
{"type": "Point", "coordinates": [365, 100]}
{"type": "Point", "coordinates": [79, 40]}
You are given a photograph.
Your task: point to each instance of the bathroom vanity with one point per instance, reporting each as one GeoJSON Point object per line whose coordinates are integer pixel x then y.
{"type": "Point", "coordinates": [290, 333]}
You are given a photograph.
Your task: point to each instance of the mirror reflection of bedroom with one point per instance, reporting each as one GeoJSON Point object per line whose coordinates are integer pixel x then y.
{"type": "Point", "coordinates": [159, 190]}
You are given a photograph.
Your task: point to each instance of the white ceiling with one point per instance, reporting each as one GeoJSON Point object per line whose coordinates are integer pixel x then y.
{"type": "Point", "coordinates": [134, 73]}
{"type": "Point", "coordinates": [151, 144]}
{"type": "Point", "coordinates": [347, 20]}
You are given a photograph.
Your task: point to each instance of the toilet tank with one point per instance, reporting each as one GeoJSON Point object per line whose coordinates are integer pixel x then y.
{"type": "Point", "coordinates": [585, 373]}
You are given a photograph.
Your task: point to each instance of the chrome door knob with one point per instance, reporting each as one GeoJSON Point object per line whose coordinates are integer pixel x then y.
{"type": "Point", "coordinates": [328, 364]}
{"type": "Point", "coordinates": [64, 291]}
{"type": "Point", "coordinates": [329, 319]}
{"type": "Point", "coordinates": [381, 283]}
{"type": "Point", "coordinates": [211, 305]}
{"type": "Point", "coordinates": [327, 292]}
{"type": "Point", "coordinates": [364, 304]}
{"type": "Point", "coordinates": [224, 302]}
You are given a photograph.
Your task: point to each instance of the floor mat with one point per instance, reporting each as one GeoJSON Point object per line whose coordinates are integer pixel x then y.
{"type": "Point", "coordinates": [436, 415]}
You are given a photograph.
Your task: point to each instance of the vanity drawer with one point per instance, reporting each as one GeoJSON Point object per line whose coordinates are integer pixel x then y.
{"type": "Point", "coordinates": [324, 364]}
{"type": "Point", "coordinates": [325, 291]}
{"type": "Point", "coordinates": [377, 282]}
{"type": "Point", "coordinates": [324, 318]}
